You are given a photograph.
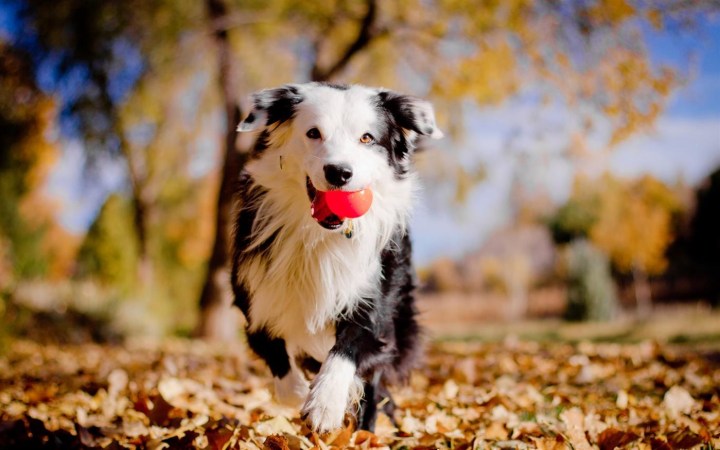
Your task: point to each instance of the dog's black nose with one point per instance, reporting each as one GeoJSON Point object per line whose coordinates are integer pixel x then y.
{"type": "Point", "coordinates": [337, 174]}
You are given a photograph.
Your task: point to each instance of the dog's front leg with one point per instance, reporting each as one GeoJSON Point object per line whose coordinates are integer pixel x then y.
{"type": "Point", "coordinates": [334, 389]}
{"type": "Point", "coordinates": [337, 386]}
{"type": "Point", "coordinates": [291, 388]}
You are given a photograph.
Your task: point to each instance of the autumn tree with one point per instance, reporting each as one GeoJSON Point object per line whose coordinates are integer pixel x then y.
{"type": "Point", "coordinates": [109, 252]}
{"type": "Point", "coordinates": [108, 46]}
{"type": "Point", "coordinates": [34, 245]}
{"type": "Point", "coordinates": [631, 221]}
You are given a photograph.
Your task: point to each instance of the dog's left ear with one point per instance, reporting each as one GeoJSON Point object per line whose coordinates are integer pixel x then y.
{"type": "Point", "coordinates": [271, 106]}
{"type": "Point", "coordinates": [411, 113]}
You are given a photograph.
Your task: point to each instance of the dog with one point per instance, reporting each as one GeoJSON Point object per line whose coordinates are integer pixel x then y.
{"type": "Point", "coordinates": [329, 299]}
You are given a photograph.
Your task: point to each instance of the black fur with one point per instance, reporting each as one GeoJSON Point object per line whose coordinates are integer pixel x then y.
{"type": "Point", "coordinates": [401, 107]}
{"type": "Point", "coordinates": [261, 144]}
{"type": "Point", "coordinates": [272, 350]}
{"type": "Point", "coordinates": [397, 112]}
{"type": "Point", "coordinates": [279, 104]}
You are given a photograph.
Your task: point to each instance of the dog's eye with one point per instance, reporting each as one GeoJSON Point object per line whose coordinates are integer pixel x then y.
{"type": "Point", "coordinates": [313, 133]}
{"type": "Point", "coordinates": [367, 138]}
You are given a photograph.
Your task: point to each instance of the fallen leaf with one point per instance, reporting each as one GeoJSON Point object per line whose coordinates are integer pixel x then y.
{"type": "Point", "coordinates": [612, 438]}
{"type": "Point", "coordinates": [276, 442]}
{"type": "Point", "coordinates": [573, 419]}
{"type": "Point", "coordinates": [659, 444]}
{"type": "Point", "coordinates": [545, 443]}
{"type": "Point", "coordinates": [276, 425]}
{"type": "Point", "coordinates": [682, 439]}
{"type": "Point", "coordinates": [340, 438]}
{"type": "Point", "coordinates": [496, 432]}
{"type": "Point", "coordinates": [367, 438]}
{"type": "Point", "coordinates": [678, 401]}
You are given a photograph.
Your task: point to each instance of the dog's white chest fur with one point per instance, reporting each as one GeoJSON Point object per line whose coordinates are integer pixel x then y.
{"type": "Point", "coordinates": [305, 285]}
{"type": "Point", "coordinates": [310, 276]}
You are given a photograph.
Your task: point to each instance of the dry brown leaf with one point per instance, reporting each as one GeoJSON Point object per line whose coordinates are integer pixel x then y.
{"type": "Point", "coordinates": [682, 439]}
{"type": "Point", "coordinates": [340, 438]}
{"type": "Point", "coordinates": [546, 443]}
{"type": "Point", "coordinates": [574, 421]}
{"type": "Point", "coordinates": [612, 438]}
{"type": "Point", "coordinates": [659, 444]}
{"type": "Point", "coordinates": [276, 442]}
{"type": "Point", "coordinates": [367, 438]}
{"type": "Point", "coordinates": [276, 425]}
{"type": "Point", "coordinates": [186, 395]}
{"type": "Point", "coordinates": [496, 432]}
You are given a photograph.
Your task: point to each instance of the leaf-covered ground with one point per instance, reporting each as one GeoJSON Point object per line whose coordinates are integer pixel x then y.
{"type": "Point", "coordinates": [186, 394]}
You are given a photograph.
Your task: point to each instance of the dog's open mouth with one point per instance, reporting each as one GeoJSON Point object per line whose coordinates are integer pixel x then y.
{"type": "Point", "coordinates": [319, 208]}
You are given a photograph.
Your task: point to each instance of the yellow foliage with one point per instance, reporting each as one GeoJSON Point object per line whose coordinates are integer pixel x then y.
{"type": "Point", "coordinates": [61, 246]}
{"type": "Point", "coordinates": [612, 11]}
{"type": "Point", "coordinates": [634, 223]}
{"type": "Point", "coordinates": [489, 76]}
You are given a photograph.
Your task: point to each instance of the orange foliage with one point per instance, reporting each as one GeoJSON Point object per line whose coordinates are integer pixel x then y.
{"type": "Point", "coordinates": [36, 207]}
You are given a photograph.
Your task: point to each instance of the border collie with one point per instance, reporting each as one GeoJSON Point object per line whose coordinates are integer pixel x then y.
{"type": "Point", "coordinates": [325, 296]}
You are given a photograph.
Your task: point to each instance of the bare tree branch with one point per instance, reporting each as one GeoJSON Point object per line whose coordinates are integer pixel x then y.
{"type": "Point", "coordinates": [369, 30]}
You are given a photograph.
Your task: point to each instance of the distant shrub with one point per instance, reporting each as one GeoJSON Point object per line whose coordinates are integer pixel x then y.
{"type": "Point", "coordinates": [109, 252]}
{"type": "Point", "coordinates": [591, 290]}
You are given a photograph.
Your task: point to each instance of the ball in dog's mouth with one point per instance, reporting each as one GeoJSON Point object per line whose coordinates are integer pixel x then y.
{"type": "Point", "coordinates": [331, 208]}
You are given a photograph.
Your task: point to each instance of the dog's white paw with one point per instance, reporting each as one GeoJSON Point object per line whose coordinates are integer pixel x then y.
{"type": "Point", "coordinates": [332, 392]}
{"type": "Point", "coordinates": [292, 389]}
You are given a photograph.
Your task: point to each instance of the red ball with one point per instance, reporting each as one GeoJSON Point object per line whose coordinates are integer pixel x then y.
{"type": "Point", "coordinates": [349, 204]}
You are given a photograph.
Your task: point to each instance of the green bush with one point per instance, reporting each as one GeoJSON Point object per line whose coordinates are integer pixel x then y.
{"type": "Point", "coordinates": [110, 251]}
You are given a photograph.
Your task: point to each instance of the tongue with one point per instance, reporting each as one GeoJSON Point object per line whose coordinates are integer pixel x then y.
{"type": "Point", "coordinates": [321, 211]}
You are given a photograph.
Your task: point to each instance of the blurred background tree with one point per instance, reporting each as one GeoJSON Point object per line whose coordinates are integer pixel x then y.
{"type": "Point", "coordinates": [156, 87]}
{"type": "Point", "coordinates": [630, 221]}
{"type": "Point", "coordinates": [34, 245]}
{"type": "Point", "coordinates": [109, 252]}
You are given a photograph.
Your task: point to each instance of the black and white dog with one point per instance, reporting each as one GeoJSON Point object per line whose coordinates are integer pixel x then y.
{"type": "Point", "coordinates": [317, 298]}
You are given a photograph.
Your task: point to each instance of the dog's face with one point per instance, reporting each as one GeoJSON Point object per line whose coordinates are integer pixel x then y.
{"type": "Point", "coordinates": [340, 137]}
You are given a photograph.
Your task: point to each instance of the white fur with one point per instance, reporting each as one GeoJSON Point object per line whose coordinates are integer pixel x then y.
{"type": "Point", "coordinates": [342, 117]}
{"type": "Point", "coordinates": [335, 388]}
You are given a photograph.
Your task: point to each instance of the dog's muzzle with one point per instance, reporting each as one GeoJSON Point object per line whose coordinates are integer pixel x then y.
{"type": "Point", "coordinates": [326, 218]}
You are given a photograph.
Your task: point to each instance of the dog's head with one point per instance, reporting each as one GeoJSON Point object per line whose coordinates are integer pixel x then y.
{"type": "Point", "coordinates": [339, 137]}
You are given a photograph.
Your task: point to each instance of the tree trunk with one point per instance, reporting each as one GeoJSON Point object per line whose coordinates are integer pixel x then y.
{"type": "Point", "coordinates": [643, 298]}
{"type": "Point", "coordinates": [217, 319]}
{"type": "Point", "coordinates": [141, 212]}
{"type": "Point", "coordinates": [141, 205]}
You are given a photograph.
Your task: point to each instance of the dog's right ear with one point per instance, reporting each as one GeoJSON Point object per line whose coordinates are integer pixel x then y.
{"type": "Point", "coordinates": [411, 113]}
{"type": "Point", "coordinates": [272, 106]}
